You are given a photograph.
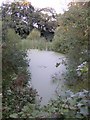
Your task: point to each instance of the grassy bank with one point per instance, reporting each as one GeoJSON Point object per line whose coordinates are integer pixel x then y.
{"type": "Point", "coordinates": [35, 44]}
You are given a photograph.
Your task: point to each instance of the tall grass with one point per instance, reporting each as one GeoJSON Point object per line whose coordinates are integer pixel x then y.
{"type": "Point", "coordinates": [40, 44]}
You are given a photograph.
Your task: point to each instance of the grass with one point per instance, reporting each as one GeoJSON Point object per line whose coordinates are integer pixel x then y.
{"type": "Point", "coordinates": [79, 85]}
{"type": "Point", "coordinates": [35, 44]}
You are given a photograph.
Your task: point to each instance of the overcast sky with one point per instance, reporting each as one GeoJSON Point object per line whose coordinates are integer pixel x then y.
{"type": "Point", "coordinates": [58, 5]}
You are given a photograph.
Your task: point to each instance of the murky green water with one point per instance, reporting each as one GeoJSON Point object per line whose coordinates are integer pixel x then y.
{"type": "Point", "coordinates": [42, 67]}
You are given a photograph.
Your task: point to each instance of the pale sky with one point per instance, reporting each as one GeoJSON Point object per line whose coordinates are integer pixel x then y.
{"type": "Point", "coordinates": [58, 5]}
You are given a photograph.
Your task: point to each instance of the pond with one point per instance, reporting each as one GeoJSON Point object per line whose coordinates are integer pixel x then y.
{"type": "Point", "coordinates": [43, 70]}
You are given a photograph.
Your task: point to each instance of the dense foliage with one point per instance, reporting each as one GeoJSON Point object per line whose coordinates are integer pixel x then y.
{"type": "Point", "coordinates": [69, 105]}
{"type": "Point", "coordinates": [22, 20]}
{"type": "Point", "coordinates": [71, 38]}
{"type": "Point", "coordinates": [35, 34]}
{"type": "Point", "coordinates": [13, 59]}
{"type": "Point", "coordinates": [15, 76]}
{"type": "Point", "coordinates": [35, 41]}
{"type": "Point", "coordinates": [66, 106]}
{"type": "Point", "coordinates": [23, 17]}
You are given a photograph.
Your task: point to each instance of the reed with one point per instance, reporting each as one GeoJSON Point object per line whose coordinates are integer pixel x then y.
{"type": "Point", "coordinates": [35, 44]}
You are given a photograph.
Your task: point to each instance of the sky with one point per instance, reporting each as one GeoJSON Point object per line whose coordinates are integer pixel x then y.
{"type": "Point", "coordinates": [58, 5]}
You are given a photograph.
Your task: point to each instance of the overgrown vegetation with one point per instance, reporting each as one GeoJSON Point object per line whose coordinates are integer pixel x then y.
{"type": "Point", "coordinates": [70, 38]}
{"type": "Point", "coordinates": [66, 106]}
{"type": "Point", "coordinates": [15, 76]}
{"type": "Point", "coordinates": [40, 44]}
{"type": "Point", "coordinates": [35, 41]}
{"type": "Point", "coordinates": [69, 105]}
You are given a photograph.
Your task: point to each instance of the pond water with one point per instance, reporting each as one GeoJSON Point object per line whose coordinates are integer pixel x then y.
{"type": "Point", "coordinates": [43, 70]}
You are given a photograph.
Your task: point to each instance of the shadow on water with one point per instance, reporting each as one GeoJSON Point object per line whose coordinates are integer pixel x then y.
{"type": "Point", "coordinates": [44, 73]}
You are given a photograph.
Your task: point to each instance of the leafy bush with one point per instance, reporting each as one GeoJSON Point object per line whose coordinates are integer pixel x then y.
{"type": "Point", "coordinates": [70, 105]}
{"type": "Point", "coordinates": [71, 37]}
{"type": "Point", "coordinates": [35, 34]}
{"type": "Point", "coordinates": [16, 93]}
{"type": "Point", "coordinates": [14, 100]}
{"type": "Point", "coordinates": [60, 43]}
{"type": "Point", "coordinates": [13, 59]}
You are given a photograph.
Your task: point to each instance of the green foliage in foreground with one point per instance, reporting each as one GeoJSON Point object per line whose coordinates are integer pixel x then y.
{"type": "Point", "coordinates": [15, 99]}
{"type": "Point", "coordinates": [13, 59]}
{"type": "Point", "coordinates": [15, 76]}
{"type": "Point", "coordinates": [68, 105]}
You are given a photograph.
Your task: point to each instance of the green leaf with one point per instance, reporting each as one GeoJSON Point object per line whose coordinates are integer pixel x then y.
{"type": "Point", "coordinates": [84, 110]}
{"type": "Point", "coordinates": [14, 115]}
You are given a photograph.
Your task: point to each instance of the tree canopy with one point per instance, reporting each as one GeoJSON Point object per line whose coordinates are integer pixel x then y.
{"type": "Point", "coordinates": [23, 17]}
{"type": "Point", "coordinates": [71, 37]}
